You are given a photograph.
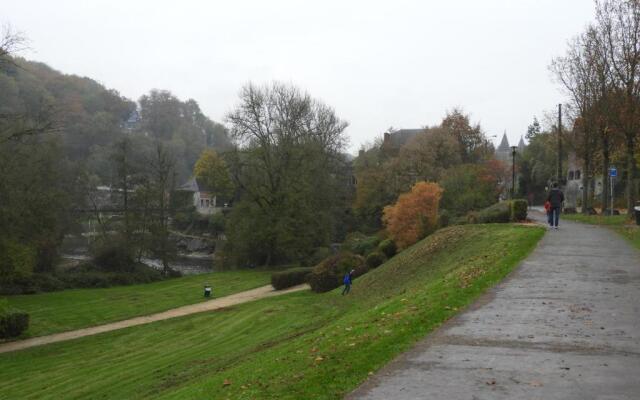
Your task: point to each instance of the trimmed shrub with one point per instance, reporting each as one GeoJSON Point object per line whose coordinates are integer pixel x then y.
{"type": "Point", "coordinates": [375, 259]}
{"type": "Point", "coordinates": [519, 210]}
{"type": "Point", "coordinates": [497, 213]}
{"type": "Point", "coordinates": [388, 248]}
{"type": "Point", "coordinates": [360, 244]}
{"type": "Point", "coordinates": [12, 322]}
{"type": "Point", "coordinates": [328, 274]}
{"type": "Point", "coordinates": [290, 277]}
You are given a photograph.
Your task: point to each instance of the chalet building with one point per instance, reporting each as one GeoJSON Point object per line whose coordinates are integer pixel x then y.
{"type": "Point", "coordinates": [203, 198]}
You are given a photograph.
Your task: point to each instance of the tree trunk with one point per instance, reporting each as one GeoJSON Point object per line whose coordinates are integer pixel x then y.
{"type": "Point", "coordinates": [631, 169]}
{"type": "Point", "coordinates": [585, 185]}
{"type": "Point", "coordinates": [605, 174]}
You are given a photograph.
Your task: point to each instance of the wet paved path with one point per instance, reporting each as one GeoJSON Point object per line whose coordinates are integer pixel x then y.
{"type": "Point", "coordinates": [214, 304]}
{"type": "Point", "coordinates": [564, 325]}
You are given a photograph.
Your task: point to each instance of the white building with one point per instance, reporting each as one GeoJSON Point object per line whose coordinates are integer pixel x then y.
{"type": "Point", "coordinates": [205, 200]}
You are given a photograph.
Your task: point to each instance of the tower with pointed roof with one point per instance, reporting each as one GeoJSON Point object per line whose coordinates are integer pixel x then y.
{"type": "Point", "coordinates": [521, 145]}
{"type": "Point", "coordinates": [503, 152]}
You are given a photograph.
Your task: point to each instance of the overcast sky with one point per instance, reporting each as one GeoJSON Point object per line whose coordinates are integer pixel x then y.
{"type": "Point", "coordinates": [378, 63]}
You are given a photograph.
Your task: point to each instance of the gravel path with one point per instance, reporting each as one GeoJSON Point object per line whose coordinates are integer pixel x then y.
{"type": "Point", "coordinates": [237, 298]}
{"type": "Point", "coordinates": [564, 325]}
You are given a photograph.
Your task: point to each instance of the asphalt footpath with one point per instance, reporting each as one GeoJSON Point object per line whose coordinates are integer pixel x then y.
{"type": "Point", "coordinates": [564, 325]}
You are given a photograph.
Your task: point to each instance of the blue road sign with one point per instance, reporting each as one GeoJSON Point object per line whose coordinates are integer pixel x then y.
{"type": "Point", "coordinates": [613, 172]}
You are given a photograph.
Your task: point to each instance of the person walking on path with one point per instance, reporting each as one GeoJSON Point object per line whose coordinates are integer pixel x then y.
{"type": "Point", "coordinates": [347, 282]}
{"type": "Point", "coordinates": [555, 198]}
{"type": "Point", "coordinates": [547, 210]}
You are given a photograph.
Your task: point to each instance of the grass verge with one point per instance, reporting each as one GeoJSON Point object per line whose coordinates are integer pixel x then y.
{"type": "Point", "coordinates": [79, 308]}
{"type": "Point", "coordinates": [297, 346]}
{"type": "Point", "coordinates": [618, 223]}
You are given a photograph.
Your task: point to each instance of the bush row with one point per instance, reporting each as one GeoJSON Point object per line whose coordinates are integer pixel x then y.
{"type": "Point", "coordinates": [359, 252]}
{"type": "Point", "coordinates": [506, 211]}
{"type": "Point", "coordinates": [290, 277]}
{"type": "Point", "coordinates": [388, 248]}
{"type": "Point", "coordinates": [329, 273]}
{"type": "Point", "coordinates": [12, 322]}
{"type": "Point", "coordinates": [361, 244]}
{"type": "Point", "coordinates": [82, 276]}
{"type": "Point", "coordinates": [375, 259]}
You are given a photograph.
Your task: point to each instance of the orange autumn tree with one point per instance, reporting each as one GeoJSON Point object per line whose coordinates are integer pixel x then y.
{"type": "Point", "coordinates": [414, 215]}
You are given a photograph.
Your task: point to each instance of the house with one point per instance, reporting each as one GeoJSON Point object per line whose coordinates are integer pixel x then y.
{"type": "Point", "coordinates": [203, 198]}
{"type": "Point", "coordinates": [574, 187]}
{"type": "Point", "coordinates": [133, 121]}
{"type": "Point", "coordinates": [394, 140]}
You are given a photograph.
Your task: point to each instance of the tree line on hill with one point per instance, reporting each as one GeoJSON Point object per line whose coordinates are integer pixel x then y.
{"type": "Point", "coordinates": [281, 161]}
{"type": "Point", "coordinates": [600, 73]}
{"type": "Point", "coordinates": [63, 136]}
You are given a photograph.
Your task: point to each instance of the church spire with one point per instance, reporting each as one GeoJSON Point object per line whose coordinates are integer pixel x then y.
{"type": "Point", "coordinates": [504, 144]}
{"type": "Point", "coordinates": [521, 145]}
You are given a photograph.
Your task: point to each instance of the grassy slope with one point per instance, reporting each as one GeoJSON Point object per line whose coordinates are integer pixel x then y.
{"type": "Point", "coordinates": [79, 308]}
{"type": "Point", "coordinates": [301, 345]}
{"type": "Point", "coordinates": [619, 223]}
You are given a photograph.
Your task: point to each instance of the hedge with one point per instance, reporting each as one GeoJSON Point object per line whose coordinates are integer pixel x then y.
{"type": "Point", "coordinates": [375, 259]}
{"type": "Point", "coordinates": [519, 210]}
{"type": "Point", "coordinates": [388, 248]}
{"type": "Point", "coordinates": [81, 276]}
{"type": "Point", "coordinates": [497, 213]}
{"type": "Point", "coordinates": [328, 274]}
{"type": "Point", "coordinates": [290, 277]}
{"type": "Point", "coordinates": [12, 322]}
{"type": "Point", "coordinates": [359, 243]}
{"type": "Point", "coordinates": [507, 211]}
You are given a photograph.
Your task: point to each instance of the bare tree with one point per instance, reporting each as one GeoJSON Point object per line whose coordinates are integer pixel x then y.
{"type": "Point", "coordinates": [15, 126]}
{"type": "Point", "coordinates": [619, 23]}
{"type": "Point", "coordinates": [11, 42]}
{"type": "Point", "coordinates": [577, 73]}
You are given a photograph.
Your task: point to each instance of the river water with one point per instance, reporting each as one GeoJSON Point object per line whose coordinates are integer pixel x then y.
{"type": "Point", "coordinates": [187, 264]}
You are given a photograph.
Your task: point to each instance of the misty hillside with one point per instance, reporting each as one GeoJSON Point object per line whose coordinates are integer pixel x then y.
{"type": "Point", "coordinates": [89, 118]}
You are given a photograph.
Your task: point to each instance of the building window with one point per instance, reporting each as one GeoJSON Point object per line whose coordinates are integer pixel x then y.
{"type": "Point", "coordinates": [570, 175]}
{"type": "Point", "coordinates": [201, 203]}
{"type": "Point", "coordinates": [207, 202]}
{"type": "Point", "coordinates": [577, 176]}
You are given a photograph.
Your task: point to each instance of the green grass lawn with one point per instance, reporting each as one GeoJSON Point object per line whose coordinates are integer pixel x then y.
{"type": "Point", "coordinates": [79, 308]}
{"type": "Point", "coordinates": [619, 223]}
{"type": "Point", "coordinates": [297, 346]}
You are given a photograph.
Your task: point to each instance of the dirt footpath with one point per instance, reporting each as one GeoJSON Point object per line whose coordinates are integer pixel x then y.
{"type": "Point", "coordinates": [237, 298]}
{"type": "Point", "coordinates": [565, 325]}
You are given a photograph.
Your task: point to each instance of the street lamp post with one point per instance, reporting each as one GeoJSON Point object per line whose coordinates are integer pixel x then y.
{"type": "Point", "coordinates": [513, 171]}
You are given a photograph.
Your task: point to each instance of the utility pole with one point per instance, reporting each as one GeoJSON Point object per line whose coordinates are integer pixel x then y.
{"type": "Point", "coordinates": [559, 171]}
{"type": "Point", "coordinates": [513, 171]}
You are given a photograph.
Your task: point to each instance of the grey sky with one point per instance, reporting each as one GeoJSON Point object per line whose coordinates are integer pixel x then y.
{"type": "Point", "coordinates": [378, 63]}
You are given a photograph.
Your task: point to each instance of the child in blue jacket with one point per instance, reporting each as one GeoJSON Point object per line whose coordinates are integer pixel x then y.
{"type": "Point", "coordinates": [347, 282]}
